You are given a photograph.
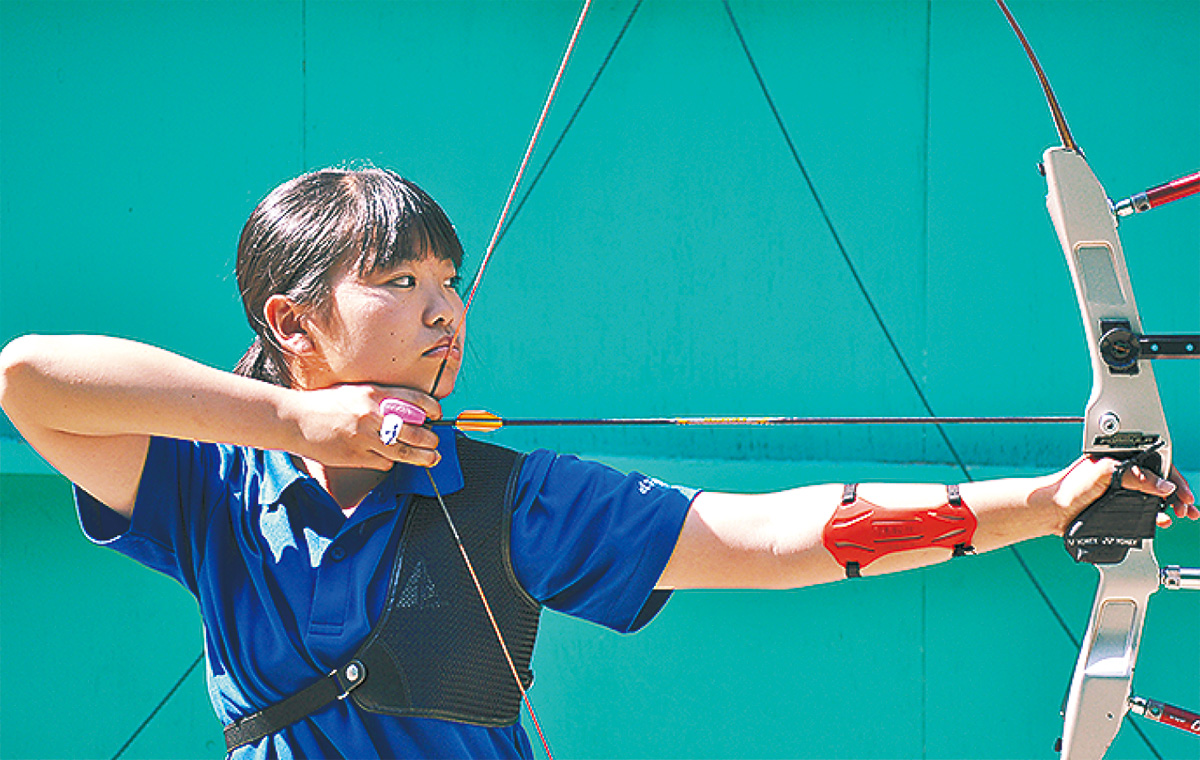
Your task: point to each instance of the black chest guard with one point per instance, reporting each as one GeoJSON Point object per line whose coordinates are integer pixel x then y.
{"type": "Point", "coordinates": [433, 652]}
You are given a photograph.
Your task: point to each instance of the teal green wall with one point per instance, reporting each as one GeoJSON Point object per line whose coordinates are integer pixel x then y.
{"type": "Point", "coordinates": [669, 261]}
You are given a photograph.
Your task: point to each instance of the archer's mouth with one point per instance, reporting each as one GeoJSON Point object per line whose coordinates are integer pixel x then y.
{"type": "Point", "coordinates": [444, 349]}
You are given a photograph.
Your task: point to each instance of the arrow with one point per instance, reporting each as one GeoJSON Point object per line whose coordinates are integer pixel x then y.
{"type": "Point", "coordinates": [481, 421]}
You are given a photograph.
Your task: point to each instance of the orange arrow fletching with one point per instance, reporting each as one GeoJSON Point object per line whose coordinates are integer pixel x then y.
{"type": "Point", "coordinates": [478, 421]}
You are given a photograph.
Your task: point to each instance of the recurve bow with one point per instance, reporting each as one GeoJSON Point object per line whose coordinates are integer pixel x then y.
{"type": "Point", "coordinates": [1124, 419]}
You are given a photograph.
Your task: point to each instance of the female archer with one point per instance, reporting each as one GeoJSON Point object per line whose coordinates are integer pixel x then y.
{"type": "Point", "coordinates": [340, 618]}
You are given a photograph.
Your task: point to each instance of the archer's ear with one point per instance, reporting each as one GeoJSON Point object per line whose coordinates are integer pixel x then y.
{"type": "Point", "coordinates": [288, 324]}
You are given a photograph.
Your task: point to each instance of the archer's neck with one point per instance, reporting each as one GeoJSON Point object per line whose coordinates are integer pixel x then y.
{"type": "Point", "coordinates": [348, 486]}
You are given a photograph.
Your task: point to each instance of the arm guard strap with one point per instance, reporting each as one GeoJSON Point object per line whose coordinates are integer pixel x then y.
{"type": "Point", "coordinates": [861, 532]}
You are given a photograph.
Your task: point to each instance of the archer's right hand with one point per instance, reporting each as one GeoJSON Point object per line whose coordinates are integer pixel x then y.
{"type": "Point", "coordinates": [340, 427]}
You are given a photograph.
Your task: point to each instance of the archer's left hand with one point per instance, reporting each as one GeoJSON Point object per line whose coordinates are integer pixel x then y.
{"type": "Point", "coordinates": [1183, 501]}
{"type": "Point", "coordinates": [1087, 479]}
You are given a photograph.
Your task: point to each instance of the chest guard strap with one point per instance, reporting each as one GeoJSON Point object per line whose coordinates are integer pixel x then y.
{"type": "Point", "coordinates": [861, 532]}
{"type": "Point", "coordinates": [433, 652]}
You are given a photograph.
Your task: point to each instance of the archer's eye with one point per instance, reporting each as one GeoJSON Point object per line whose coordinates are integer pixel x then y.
{"type": "Point", "coordinates": [403, 281]}
{"type": "Point", "coordinates": [454, 283]}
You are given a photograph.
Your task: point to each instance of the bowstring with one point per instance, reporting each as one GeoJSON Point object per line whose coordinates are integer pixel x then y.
{"type": "Point", "coordinates": [491, 247]}
{"type": "Point", "coordinates": [512, 192]}
{"type": "Point", "coordinates": [512, 666]}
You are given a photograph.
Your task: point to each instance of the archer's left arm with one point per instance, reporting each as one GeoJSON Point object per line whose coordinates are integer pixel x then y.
{"type": "Point", "coordinates": [777, 540]}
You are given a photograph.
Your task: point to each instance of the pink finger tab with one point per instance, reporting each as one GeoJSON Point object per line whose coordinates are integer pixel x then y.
{"type": "Point", "coordinates": [411, 414]}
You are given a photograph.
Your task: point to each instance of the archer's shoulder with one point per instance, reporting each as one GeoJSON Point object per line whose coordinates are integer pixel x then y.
{"type": "Point", "coordinates": [571, 477]}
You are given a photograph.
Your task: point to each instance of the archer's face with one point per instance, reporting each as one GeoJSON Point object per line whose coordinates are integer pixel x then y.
{"type": "Point", "coordinates": [393, 327]}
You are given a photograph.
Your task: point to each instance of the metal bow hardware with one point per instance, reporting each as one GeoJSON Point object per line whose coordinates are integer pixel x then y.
{"type": "Point", "coordinates": [1124, 419]}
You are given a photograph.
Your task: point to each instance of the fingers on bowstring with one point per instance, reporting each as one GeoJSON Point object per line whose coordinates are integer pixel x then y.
{"type": "Point", "coordinates": [415, 455]}
{"type": "Point", "coordinates": [390, 429]}
{"type": "Point", "coordinates": [412, 447]}
{"type": "Point", "coordinates": [408, 443]}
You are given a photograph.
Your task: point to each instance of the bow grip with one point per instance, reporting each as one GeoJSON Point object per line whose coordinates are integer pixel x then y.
{"type": "Point", "coordinates": [1118, 521]}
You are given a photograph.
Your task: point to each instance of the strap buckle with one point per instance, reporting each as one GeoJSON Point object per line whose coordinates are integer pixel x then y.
{"type": "Point", "coordinates": [350, 677]}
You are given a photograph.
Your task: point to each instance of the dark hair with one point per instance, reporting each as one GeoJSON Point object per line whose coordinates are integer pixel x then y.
{"type": "Point", "coordinates": [302, 235]}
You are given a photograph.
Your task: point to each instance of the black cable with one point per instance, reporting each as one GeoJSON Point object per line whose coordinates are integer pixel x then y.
{"type": "Point", "coordinates": [570, 122]}
{"type": "Point", "coordinates": [862, 288]}
{"type": "Point", "coordinates": [166, 698]}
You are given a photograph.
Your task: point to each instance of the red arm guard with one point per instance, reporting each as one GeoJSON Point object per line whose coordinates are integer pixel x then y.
{"type": "Point", "coordinates": [861, 532]}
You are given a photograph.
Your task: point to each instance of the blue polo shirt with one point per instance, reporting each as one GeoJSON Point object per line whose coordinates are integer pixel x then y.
{"type": "Point", "coordinates": [288, 587]}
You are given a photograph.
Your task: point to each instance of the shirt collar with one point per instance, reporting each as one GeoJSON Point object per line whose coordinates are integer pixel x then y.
{"type": "Point", "coordinates": [447, 473]}
{"type": "Point", "coordinates": [279, 472]}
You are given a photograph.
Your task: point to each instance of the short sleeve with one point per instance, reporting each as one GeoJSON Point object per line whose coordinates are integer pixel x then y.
{"type": "Point", "coordinates": [174, 496]}
{"type": "Point", "coordinates": [592, 542]}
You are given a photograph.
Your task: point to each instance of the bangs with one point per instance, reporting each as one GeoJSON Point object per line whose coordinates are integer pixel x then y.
{"type": "Point", "coordinates": [399, 223]}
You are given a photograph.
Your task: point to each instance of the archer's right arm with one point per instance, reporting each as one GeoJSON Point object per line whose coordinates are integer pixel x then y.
{"type": "Point", "coordinates": [89, 405]}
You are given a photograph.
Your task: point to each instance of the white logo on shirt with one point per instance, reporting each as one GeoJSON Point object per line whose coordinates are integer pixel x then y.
{"type": "Point", "coordinates": [645, 485]}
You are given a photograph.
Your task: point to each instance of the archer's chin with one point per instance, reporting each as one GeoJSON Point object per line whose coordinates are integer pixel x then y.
{"type": "Point", "coordinates": [445, 385]}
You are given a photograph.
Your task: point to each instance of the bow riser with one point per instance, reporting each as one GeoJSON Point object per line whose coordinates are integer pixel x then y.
{"type": "Point", "coordinates": [1124, 415]}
